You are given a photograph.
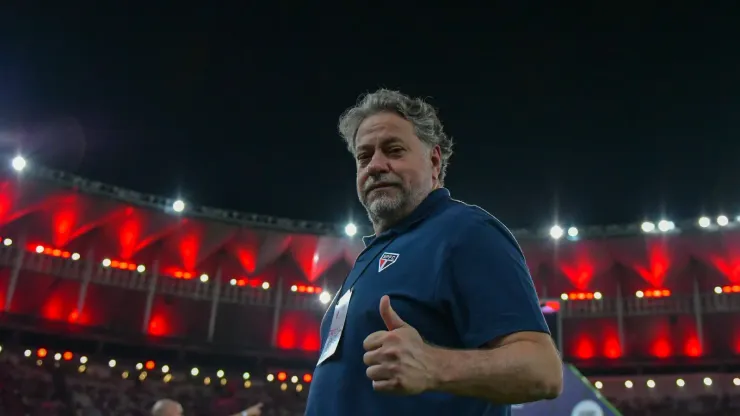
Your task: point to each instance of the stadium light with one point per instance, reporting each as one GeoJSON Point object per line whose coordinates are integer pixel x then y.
{"type": "Point", "coordinates": [204, 278]}
{"type": "Point", "coordinates": [647, 227]}
{"type": "Point", "coordinates": [194, 372]}
{"type": "Point", "coordinates": [556, 232]}
{"type": "Point", "coordinates": [665, 225]}
{"type": "Point", "coordinates": [573, 232]}
{"type": "Point", "coordinates": [704, 222]}
{"type": "Point", "coordinates": [722, 220]}
{"type": "Point", "coordinates": [18, 163]}
{"type": "Point", "coordinates": [178, 206]}
{"type": "Point", "coordinates": [112, 363]}
{"type": "Point", "coordinates": [350, 229]}
{"type": "Point", "coordinates": [324, 297]}
{"type": "Point", "coordinates": [680, 382]}
{"type": "Point", "coordinates": [220, 373]}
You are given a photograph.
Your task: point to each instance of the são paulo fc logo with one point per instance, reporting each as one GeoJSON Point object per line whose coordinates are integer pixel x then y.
{"type": "Point", "coordinates": [386, 260]}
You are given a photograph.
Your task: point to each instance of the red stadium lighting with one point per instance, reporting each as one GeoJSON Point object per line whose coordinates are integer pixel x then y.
{"type": "Point", "coordinates": [727, 289]}
{"type": "Point", "coordinates": [53, 252]}
{"type": "Point", "coordinates": [306, 289]}
{"type": "Point", "coordinates": [123, 265]}
{"type": "Point", "coordinates": [307, 378]}
{"type": "Point", "coordinates": [281, 376]}
{"type": "Point", "coordinates": [653, 293]}
{"type": "Point", "coordinates": [42, 353]}
{"type": "Point", "coordinates": [243, 282]}
{"type": "Point", "coordinates": [182, 275]}
{"type": "Point", "coordinates": [149, 365]}
{"type": "Point", "coordinates": [581, 296]}
{"type": "Point", "coordinates": [67, 356]}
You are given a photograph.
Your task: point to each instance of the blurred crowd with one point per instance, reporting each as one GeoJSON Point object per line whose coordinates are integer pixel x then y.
{"type": "Point", "coordinates": [28, 389]}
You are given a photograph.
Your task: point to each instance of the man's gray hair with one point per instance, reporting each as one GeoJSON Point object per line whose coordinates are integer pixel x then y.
{"type": "Point", "coordinates": [420, 113]}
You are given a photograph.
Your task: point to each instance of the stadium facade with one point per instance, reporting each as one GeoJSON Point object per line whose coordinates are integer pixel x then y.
{"type": "Point", "coordinates": [104, 260]}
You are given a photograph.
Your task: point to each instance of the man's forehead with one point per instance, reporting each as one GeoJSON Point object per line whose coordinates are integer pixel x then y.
{"type": "Point", "coordinates": [384, 126]}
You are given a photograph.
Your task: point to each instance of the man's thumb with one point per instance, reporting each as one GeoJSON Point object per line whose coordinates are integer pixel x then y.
{"type": "Point", "coordinates": [390, 317]}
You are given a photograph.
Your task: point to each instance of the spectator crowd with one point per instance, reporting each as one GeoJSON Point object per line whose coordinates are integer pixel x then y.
{"type": "Point", "coordinates": [52, 390]}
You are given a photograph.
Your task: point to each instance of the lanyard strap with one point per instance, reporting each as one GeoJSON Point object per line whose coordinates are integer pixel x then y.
{"type": "Point", "coordinates": [380, 253]}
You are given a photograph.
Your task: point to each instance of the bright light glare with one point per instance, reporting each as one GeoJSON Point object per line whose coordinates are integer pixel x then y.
{"type": "Point", "coordinates": [648, 227]}
{"type": "Point", "coordinates": [178, 206]}
{"type": "Point", "coordinates": [665, 225]}
{"type": "Point", "coordinates": [350, 229]}
{"type": "Point", "coordinates": [204, 278]}
{"type": "Point", "coordinates": [18, 163]}
{"type": "Point", "coordinates": [704, 222]}
{"type": "Point", "coordinates": [722, 220]}
{"type": "Point", "coordinates": [556, 232]}
{"type": "Point", "coordinates": [324, 297]}
{"type": "Point", "coordinates": [573, 232]}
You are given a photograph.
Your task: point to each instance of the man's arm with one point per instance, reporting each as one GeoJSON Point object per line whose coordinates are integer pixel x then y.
{"type": "Point", "coordinates": [524, 367]}
{"type": "Point", "coordinates": [510, 357]}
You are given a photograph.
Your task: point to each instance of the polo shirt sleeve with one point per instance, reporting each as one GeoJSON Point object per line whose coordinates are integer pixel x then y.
{"type": "Point", "coordinates": [487, 287]}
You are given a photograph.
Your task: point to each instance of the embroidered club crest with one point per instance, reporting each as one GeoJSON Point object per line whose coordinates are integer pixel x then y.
{"type": "Point", "coordinates": [386, 260]}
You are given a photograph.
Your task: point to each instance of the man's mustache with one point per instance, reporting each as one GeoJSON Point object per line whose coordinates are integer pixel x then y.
{"type": "Point", "coordinates": [380, 183]}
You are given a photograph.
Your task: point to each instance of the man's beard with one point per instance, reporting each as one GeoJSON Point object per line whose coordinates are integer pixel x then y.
{"type": "Point", "coordinates": [387, 205]}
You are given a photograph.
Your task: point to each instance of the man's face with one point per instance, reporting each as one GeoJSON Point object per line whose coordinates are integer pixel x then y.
{"type": "Point", "coordinates": [395, 170]}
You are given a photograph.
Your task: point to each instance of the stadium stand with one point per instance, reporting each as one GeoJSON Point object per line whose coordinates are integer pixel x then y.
{"type": "Point", "coordinates": [113, 274]}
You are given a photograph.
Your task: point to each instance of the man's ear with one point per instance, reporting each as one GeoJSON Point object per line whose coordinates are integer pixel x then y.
{"type": "Point", "coordinates": [435, 157]}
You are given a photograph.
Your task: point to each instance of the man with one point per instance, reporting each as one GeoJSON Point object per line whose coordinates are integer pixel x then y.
{"type": "Point", "coordinates": [167, 407]}
{"type": "Point", "coordinates": [439, 315]}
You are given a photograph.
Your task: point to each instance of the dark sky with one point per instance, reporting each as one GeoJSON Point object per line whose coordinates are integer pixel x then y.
{"type": "Point", "coordinates": [603, 115]}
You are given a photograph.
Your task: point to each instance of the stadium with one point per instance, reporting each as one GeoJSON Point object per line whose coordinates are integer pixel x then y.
{"type": "Point", "coordinates": [124, 297]}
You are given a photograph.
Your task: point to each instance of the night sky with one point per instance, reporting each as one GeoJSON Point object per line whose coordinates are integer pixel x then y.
{"type": "Point", "coordinates": [600, 115]}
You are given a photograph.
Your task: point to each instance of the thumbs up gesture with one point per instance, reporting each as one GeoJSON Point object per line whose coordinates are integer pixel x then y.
{"type": "Point", "coordinates": [398, 360]}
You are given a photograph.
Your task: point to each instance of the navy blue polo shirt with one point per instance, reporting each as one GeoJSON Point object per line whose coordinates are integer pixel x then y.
{"type": "Point", "coordinates": [459, 277]}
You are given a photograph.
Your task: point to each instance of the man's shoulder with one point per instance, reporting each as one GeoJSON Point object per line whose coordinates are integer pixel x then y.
{"type": "Point", "coordinates": [472, 222]}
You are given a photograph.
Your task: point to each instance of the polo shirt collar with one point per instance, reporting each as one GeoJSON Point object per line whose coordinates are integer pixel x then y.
{"type": "Point", "coordinates": [431, 203]}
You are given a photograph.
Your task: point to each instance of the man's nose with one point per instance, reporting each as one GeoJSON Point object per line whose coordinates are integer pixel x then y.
{"type": "Point", "coordinates": [378, 164]}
